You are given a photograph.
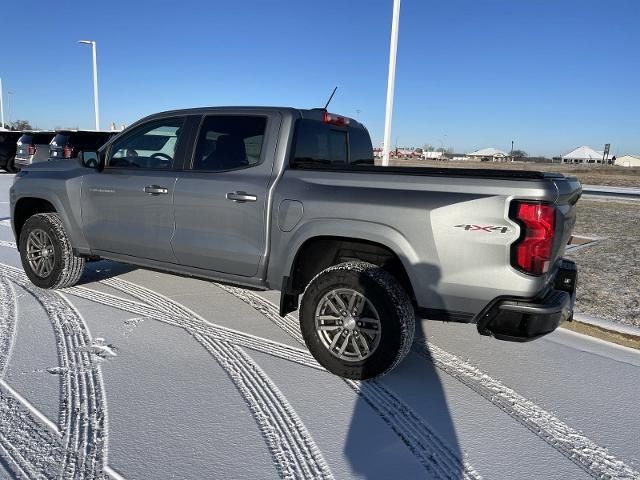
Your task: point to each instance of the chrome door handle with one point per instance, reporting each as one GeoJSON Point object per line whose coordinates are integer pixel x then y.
{"type": "Point", "coordinates": [155, 190]}
{"type": "Point", "coordinates": [241, 197]}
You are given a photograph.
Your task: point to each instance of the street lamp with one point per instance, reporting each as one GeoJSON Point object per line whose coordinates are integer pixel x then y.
{"type": "Point", "coordinates": [393, 50]}
{"type": "Point", "coordinates": [95, 80]}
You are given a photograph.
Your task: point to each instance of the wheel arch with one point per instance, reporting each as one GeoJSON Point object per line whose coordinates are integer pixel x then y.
{"type": "Point", "coordinates": [331, 243]}
{"type": "Point", "coordinates": [26, 207]}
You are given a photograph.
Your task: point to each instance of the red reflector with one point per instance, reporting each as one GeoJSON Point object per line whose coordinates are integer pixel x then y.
{"type": "Point", "coordinates": [335, 119]}
{"type": "Point", "coordinates": [68, 151]}
{"type": "Point", "coordinates": [31, 149]}
{"type": "Point", "coordinates": [534, 251]}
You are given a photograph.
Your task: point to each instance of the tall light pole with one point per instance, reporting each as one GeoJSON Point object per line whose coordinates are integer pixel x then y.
{"type": "Point", "coordinates": [95, 80]}
{"type": "Point", "coordinates": [393, 50]}
{"type": "Point", "coordinates": [9, 93]}
{"type": "Point", "coordinates": [1, 105]}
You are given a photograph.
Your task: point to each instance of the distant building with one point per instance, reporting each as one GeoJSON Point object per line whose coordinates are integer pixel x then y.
{"type": "Point", "coordinates": [583, 154]}
{"type": "Point", "coordinates": [396, 153]}
{"type": "Point", "coordinates": [628, 161]}
{"type": "Point", "coordinates": [433, 156]}
{"type": "Point", "coordinates": [489, 154]}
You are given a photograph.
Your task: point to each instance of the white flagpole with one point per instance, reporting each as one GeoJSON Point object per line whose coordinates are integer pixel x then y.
{"type": "Point", "coordinates": [393, 50]}
{"type": "Point", "coordinates": [1, 105]}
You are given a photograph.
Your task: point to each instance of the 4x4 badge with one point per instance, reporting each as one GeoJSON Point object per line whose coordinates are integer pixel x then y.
{"type": "Point", "coordinates": [483, 228]}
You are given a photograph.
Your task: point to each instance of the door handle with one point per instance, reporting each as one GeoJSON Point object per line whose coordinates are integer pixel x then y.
{"type": "Point", "coordinates": [241, 197]}
{"type": "Point", "coordinates": [155, 190]}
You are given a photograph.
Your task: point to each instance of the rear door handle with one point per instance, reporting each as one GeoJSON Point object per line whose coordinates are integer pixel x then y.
{"type": "Point", "coordinates": [155, 190]}
{"type": "Point", "coordinates": [241, 197]}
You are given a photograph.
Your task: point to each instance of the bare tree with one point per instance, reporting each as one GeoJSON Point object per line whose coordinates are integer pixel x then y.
{"type": "Point", "coordinates": [20, 125]}
{"type": "Point", "coordinates": [519, 154]}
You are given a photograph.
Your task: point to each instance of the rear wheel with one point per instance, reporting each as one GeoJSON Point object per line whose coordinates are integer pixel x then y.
{"type": "Point", "coordinates": [46, 253]}
{"type": "Point", "coordinates": [357, 320]}
{"type": "Point", "coordinates": [11, 165]}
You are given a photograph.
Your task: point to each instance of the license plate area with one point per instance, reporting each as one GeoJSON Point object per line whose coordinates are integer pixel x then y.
{"type": "Point", "coordinates": [566, 277]}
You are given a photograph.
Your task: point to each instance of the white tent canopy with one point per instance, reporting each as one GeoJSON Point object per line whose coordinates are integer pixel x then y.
{"type": "Point", "coordinates": [487, 152]}
{"type": "Point", "coordinates": [628, 161]}
{"type": "Point", "coordinates": [583, 153]}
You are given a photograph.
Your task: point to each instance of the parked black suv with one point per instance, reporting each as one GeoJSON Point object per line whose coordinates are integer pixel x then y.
{"type": "Point", "coordinates": [68, 143]}
{"type": "Point", "coordinates": [8, 142]}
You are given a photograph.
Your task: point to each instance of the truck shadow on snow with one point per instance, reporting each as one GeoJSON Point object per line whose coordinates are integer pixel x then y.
{"type": "Point", "coordinates": [401, 425]}
{"type": "Point", "coordinates": [103, 270]}
{"type": "Point", "coordinates": [425, 444]}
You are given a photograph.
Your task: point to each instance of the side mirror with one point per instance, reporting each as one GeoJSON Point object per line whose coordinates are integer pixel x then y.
{"type": "Point", "coordinates": [89, 159]}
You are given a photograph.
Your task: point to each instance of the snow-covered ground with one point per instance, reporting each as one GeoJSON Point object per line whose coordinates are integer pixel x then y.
{"type": "Point", "coordinates": [138, 374]}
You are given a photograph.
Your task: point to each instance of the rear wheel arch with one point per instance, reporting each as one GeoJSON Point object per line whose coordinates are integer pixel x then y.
{"type": "Point", "coordinates": [321, 252]}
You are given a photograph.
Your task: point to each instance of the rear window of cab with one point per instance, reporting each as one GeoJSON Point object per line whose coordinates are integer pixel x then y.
{"type": "Point", "coordinates": [317, 144]}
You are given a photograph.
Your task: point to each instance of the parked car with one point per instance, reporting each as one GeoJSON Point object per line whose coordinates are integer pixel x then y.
{"type": "Point", "coordinates": [8, 147]}
{"type": "Point", "coordinates": [33, 147]}
{"type": "Point", "coordinates": [289, 199]}
{"type": "Point", "coordinates": [69, 143]}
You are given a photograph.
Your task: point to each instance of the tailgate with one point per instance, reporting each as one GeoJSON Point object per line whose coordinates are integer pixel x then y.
{"type": "Point", "coordinates": [569, 191]}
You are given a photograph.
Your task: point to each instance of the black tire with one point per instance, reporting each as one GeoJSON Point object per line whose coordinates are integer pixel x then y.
{"type": "Point", "coordinates": [67, 267]}
{"type": "Point", "coordinates": [11, 165]}
{"type": "Point", "coordinates": [391, 302]}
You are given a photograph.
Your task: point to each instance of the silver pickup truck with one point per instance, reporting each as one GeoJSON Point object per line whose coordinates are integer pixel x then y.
{"type": "Point", "coordinates": [289, 199]}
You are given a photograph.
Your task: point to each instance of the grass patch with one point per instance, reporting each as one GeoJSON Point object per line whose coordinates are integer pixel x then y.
{"type": "Point", "coordinates": [609, 271]}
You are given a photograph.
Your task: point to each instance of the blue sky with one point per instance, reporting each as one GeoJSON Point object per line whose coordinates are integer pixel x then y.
{"type": "Point", "coordinates": [549, 74]}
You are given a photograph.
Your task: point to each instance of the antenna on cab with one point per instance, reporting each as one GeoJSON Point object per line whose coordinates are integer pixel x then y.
{"type": "Point", "coordinates": [331, 97]}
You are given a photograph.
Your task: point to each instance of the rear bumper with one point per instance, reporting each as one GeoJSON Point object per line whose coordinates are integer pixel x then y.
{"type": "Point", "coordinates": [522, 320]}
{"type": "Point", "coordinates": [23, 161]}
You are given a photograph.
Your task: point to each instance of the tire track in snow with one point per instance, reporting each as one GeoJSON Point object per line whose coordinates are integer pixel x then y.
{"type": "Point", "coordinates": [8, 318]}
{"type": "Point", "coordinates": [433, 453]}
{"type": "Point", "coordinates": [293, 450]}
{"type": "Point", "coordinates": [592, 458]}
{"type": "Point", "coordinates": [4, 243]}
{"type": "Point", "coordinates": [83, 409]}
{"type": "Point", "coordinates": [31, 447]}
{"type": "Point", "coordinates": [236, 337]}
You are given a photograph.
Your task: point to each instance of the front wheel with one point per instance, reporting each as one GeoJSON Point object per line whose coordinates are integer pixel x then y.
{"type": "Point", "coordinates": [357, 321]}
{"type": "Point", "coordinates": [46, 253]}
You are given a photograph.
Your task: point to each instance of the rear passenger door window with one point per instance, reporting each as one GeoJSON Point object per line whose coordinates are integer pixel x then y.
{"type": "Point", "coordinates": [151, 146]}
{"type": "Point", "coordinates": [229, 142]}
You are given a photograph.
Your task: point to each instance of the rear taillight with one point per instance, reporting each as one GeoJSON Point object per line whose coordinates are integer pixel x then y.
{"type": "Point", "coordinates": [67, 151]}
{"type": "Point", "coordinates": [533, 252]}
{"type": "Point", "coordinates": [31, 149]}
